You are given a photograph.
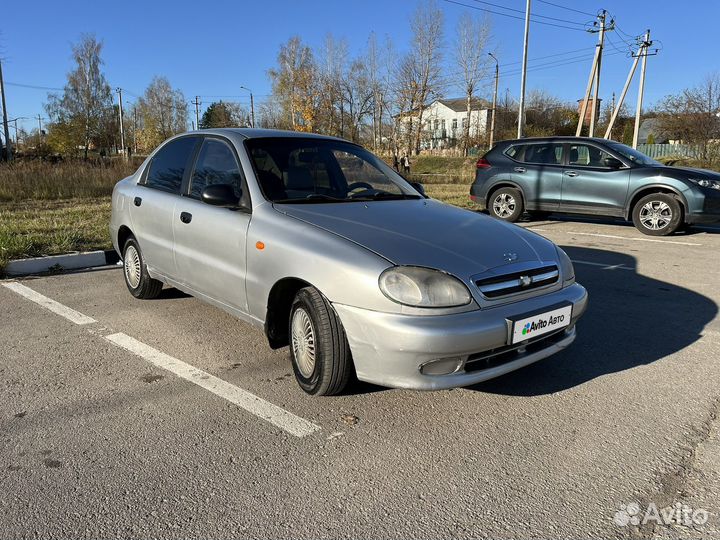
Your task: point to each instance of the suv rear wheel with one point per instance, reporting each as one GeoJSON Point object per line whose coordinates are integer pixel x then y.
{"type": "Point", "coordinates": [506, 203]}
{"type": "Point", "coordinates": [657, 214]}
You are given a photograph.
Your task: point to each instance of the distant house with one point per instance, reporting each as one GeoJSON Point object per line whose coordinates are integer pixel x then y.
{"type": "Point", "coordinates": [444, 121]}
{"type": "Point", "coordinates": [651, 126]}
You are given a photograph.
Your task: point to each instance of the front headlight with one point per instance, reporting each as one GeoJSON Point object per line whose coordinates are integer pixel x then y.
{"type": "Point", "coordinates": [567, 269]}
{"type": "Point", "coordinates": [423, 287]}
{"type": "Point", "coordinates": [704, 182]}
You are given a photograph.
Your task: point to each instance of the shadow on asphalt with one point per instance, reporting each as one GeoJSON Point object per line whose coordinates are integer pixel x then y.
{"type": "Point", "coordinates": [631, 320]}
{"type": "Point", "coordinates": [556, 219]}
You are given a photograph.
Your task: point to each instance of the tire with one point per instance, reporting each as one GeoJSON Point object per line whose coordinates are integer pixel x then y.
{"type": "Point", "coordinates": [506, 203]}
{"type": "Point", "coordinates": [657, 214]}
{"type": "Point", "coordinates": [319, 350]}
{"type": "Point", "coordinates": [137, 279]}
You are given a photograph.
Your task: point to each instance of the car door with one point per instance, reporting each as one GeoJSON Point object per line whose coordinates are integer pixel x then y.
{"type": "Point", "coordinates": [153, 206]}
{"type": "Point", "coordinates": [589, 185]}
{"type": "Point", "coordinates": [539, 172]}
{"type": "Point", "coordinates": [210, 241]}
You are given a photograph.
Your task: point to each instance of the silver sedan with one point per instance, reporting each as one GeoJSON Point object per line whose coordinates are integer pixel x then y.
{"type": "Point", "coordinates": [332, 253]}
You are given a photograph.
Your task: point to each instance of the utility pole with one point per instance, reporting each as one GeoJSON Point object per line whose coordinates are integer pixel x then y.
{"type": "Point", "coordinates": [122, 128]}
{"type": "Point", "coordinates": [608, 133]}
{"type": "Point", "coordinates": [252, 106]}
{"type": "Point", "coordinates": [6, 129]}
{"type": "Point", "coordinates": [494, 102]}
{"type": "Point", "coordinates": [616, 110]}
{"type": "Point", "coordinates": [135, 128]}
{"type": "Point", "coordinates": [641, 91]}
{"type": "Point", "coordinates": [601, 44]}
{"type": "Point", "coordinates": [16, 132]}
{"type": "Point", "coordinates": [521, 117]}
{"type": "Point", "coordinates": [39, 129]}
{"type": "Point", "coordinates": [197, 111]}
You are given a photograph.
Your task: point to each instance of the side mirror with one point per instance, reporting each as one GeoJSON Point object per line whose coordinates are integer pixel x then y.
{"type": "Point", "coordinates": [222, 195]}
{"type": "Point", "coordinates": [612, 163]}
{"type": "Point", "coordinates": [419, 188]}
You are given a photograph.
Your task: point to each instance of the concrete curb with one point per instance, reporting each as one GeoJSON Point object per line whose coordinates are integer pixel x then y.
{"type": "Point", "coordinates": [69, 261]}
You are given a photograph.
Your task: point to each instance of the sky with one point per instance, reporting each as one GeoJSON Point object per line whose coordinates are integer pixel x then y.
{"type": "Point", "coordinates": [212, 48]}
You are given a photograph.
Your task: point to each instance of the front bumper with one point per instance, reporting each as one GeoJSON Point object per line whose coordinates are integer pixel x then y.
{"type": "Point", "coordinates": [388, 349]}
{"type": "Point", "coordinates": [704, 208]}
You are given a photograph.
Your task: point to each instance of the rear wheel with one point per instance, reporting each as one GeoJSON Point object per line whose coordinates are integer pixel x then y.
{"type": "Point", "coordinates": [319, 350]}
{"type": "Point", "coordinates": [137, 279]}
{"type": "Point", "coordinates": [506, 204]}
{"type": "Point", "coordinates": [657, 214]}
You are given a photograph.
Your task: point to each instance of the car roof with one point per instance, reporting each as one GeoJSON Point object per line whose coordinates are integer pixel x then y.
{"type": "Point", "coordinates": [259, 133]}
{"type": "Point", "coordinates": [558, 138]}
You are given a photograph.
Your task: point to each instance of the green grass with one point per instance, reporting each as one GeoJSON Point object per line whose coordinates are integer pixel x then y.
{"type": "Point", "coordinates": [37, 228]}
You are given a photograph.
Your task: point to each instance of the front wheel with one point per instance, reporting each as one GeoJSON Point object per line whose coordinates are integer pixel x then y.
{"type": "Point", "coordinates": [319, 350]}
{"type": "Point", "coordinates": [506, 204]}
{"type": "Point", "coordinates": [137, 279]}
{"type": "Point", "coordinates": [658, 214]}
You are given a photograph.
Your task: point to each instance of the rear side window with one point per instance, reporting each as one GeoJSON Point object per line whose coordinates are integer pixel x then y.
{"type": "Point", "coordinates": [543, 153]}
{"type": "Point", "coordinates": [216, 164]}
{"type": "Point", "coordinates": [168, 166]}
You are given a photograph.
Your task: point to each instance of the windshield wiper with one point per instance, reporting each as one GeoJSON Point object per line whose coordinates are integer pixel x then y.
{"type": "Point", "coordinates": [313, 198]}
{"type": "Point", "coordinates": [385, 195]}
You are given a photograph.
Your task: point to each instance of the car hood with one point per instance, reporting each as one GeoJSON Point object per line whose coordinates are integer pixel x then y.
{"type": "Point", "coordinates": [427, 233]}
{"type": "Point", "coordinates": [690, 172]}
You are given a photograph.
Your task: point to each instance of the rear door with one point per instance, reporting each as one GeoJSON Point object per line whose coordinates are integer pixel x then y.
{"type": "Point", "coordinates": [152, 208]}
{"type": "Point", "coordinates": [539, 171]}
{"type": "Point", "coordinates": [211, 242]}
{"type": "Point", "coordinates": [590, 186]}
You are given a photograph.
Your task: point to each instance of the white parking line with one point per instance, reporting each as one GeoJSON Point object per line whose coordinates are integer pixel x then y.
{"type": "Point", "coordinates": [265, 410]}
{"type": "Point", "coordinates": [245, 400]}
{"type": "Point", "coordinates": [634, 239]}
{"type": "Point", "coordinates": [57, 308]}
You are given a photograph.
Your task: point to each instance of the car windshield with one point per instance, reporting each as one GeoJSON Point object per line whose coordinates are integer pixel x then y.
{"type": "Point", "coordinates": [306, 170]}
{"type": "Point", "coordinates": [638, 158]}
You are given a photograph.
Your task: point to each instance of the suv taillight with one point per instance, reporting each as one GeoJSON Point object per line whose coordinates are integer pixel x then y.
{"type": "Point", "coordinates": [483, 163]}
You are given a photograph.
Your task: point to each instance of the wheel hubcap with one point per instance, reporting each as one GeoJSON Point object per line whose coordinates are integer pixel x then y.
{"type": "Point", "coordinates": [504, 205]}
{"type": "Point", "coordinates": [132, 267]}
{"type": "Point", "coordinates": [303, 342]}
{"type": "Point", "coordinates": [656, 215]}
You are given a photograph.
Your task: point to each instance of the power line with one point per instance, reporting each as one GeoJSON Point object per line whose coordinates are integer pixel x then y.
{"type": "Point", "coordinates": [513, 16]}
{"type": "Point", "coordinates": [567, 8]}
{"type": "Point", "coordinates": [32, 86]}
{"type": "Point", "coordinates": [534, 14]}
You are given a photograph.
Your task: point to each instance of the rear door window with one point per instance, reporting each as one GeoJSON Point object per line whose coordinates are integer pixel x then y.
{"type": "Point", "coordinates": [167, 167]}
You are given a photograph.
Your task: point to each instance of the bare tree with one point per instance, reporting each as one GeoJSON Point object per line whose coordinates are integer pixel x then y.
{"type": "Point", "coordinates": [162, 112]}
{"type": "Point", "coordinates": [331, 72]}
{"type": "Point", "coordinates": [693, 117]}
{"type": "Point", "coordinates": [472, 35]}
{"type": "Point", "coordinates": [87, 97]}
{"type": "Point", "coordinates": [424, 62]}
{"type": "Point", "coordinates": [294, 84]}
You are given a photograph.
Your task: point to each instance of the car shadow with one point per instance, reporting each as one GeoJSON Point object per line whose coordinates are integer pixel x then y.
{"type": "Point", "coordinates": [631, 320]}
{"type": "Point", "coordinates": [552, 219]}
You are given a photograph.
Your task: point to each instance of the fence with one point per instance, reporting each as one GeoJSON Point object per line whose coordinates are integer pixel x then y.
{"type": "Point", "coordinates": [664, 150]}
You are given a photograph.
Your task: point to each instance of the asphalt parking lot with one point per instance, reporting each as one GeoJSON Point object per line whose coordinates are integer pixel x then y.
{"type": "Point", "coordinates": [168, 418]}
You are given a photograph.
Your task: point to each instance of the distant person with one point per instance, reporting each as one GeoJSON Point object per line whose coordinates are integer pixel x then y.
{"type": "Point", "coordinates": [396, 163]}
{"type": "Point", "coordinates": [405, 161]}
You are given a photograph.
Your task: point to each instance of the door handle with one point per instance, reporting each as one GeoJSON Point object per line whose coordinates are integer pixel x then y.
{"type": "Point", "coordinates": [571, 174]}
{"type": "Point", "coordinates": [185, 217]}
{"type": "Point", "coordinates": [519, 169]}
{"type": "Point", "coordinates": [137, 201]}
